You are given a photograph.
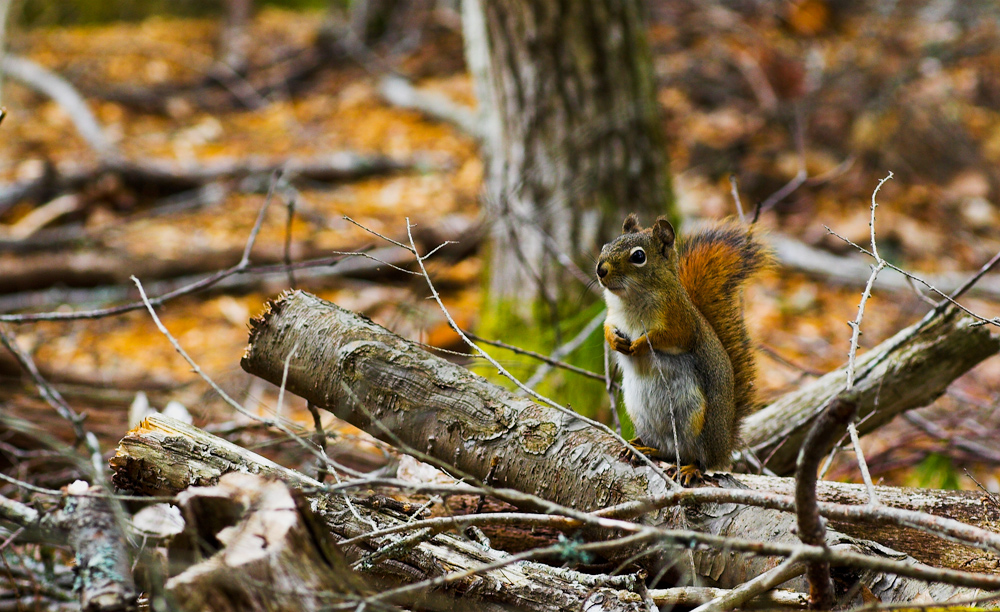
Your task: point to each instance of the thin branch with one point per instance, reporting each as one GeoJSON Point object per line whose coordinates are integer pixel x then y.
{"type": "Point", "coordinates": [610, 387]}
{"type": "Point", "coordinates": [980, 451]}
{"type": "Point", "coordinates": [553, 550]}
{"type": "Point", "coordinates": [411, 249]}
{"type": "Point", "coordinates": [567, 348]}
{"type": "Point", "coordinates": [947, 298]}
{"type": "Point", "coordinates": [377, 260]}
{"type": "Point", "coordinates": [855, 336]}
{"type": "Point", "coordinates": [55, 399]}
{"type": "Point", "coordinates": [319, 438]}
{"type": "Point", "coordinates": [878, 515]}
{"type": "Point", "coordinates": [290, 207]}
{"type": "Point", "coordinates": [800, 177]}
{"type": "Point", "coordinates": [243, 264]}
{"type": "Point", "coordinates": [547, 359]}
{"type": "Point", "coordinates": [691, 596]}
{"type": "Point", "coordinates": [989, 265]}
{"type": "Point", "coordinates": [277, 424]}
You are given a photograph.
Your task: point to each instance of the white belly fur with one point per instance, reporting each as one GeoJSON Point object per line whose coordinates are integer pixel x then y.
{"type": "Point", "coordinates": [658, 388]}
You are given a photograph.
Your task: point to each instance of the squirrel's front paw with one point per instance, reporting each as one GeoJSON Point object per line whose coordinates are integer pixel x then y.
{"type": "Point", "coordinates": [620, 343]}
{"type": "Point", "coordinates": [639, 346]}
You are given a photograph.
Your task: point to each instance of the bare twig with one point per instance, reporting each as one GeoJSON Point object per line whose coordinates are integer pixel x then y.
{"type": "Point", "coordinates": [290, 207]}
{"type": "Point", "coordinates": [691, 596]}
{"type": "Point", "coordinates": [557, 550]}
{"type": "Point", "coordinates": [793, 254]}
{"type": "Point", "coordinates": [567, 348]}
{"type": "Point", "coordinates": [879, 515]}
{"type": "Point", "coordinates": [801, 176]}
{"type": "Point", "coordinates": [55, 399]}
{"type": "Point", "coordinates": [610, 387]}
{"type": "Point", "coordinates": [319, 438]}
{"type": "Point", "coordinates": [773, 354]}
{"type": "Point", "coordinates": [546, 358]}
{"type": "Point", "coordinates": [975, 277]}
{"type": "Point", "coordinates": [243, 264]}
{"type": "Point", "coordinates": [855, 336]}
{"type": "Point", "coordinates": [947, 298]}
{"type": "Point", "coordinates": [276, 423]}
{"type": "Point", "coordinates": [980, 451]}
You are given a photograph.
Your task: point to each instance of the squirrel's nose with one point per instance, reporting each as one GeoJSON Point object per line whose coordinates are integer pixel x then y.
{"type": "Point", "coordinates": [602, 270]}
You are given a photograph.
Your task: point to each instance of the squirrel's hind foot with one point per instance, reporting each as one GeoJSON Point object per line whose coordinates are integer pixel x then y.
{"type": "Point", "coordinates": [637, 444]}
{"type": "Point", "coordinates": [686, 475]}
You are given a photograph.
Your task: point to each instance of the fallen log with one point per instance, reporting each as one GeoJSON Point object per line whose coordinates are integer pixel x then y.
{"type": "Point", "coordinates": [163, 177]}
{"type": "Point", "coordinates": [402, 394]}
{"type": "Point", "coordinates": [163, 456]}
{"type": "Point", "coordinates": [97, 276]}
{"type": "Point", "coordinates": [68, 271]}
{"type": "Point", "coordinates": [970, 507]}
{"type": "Point", "coordinates": [848, 271]}
{"type": "Point", "coordinates": [907, 371]}
{"type": "Point", "coordinates": [62, 92]}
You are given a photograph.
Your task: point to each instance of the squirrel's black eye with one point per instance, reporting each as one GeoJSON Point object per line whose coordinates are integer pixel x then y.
{"type": "Point", "coordinates": [637, 256]}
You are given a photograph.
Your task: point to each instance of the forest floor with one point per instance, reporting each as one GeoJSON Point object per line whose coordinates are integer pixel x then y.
{"type": "Point", "coordinates": [847, 95]}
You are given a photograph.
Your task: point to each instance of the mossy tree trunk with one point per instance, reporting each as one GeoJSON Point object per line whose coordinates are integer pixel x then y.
{"type": "Point", "coordinates": [575, 139]}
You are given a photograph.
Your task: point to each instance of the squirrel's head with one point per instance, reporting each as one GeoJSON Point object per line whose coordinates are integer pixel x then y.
{"type": "Point", "coordinates": [639, 257]}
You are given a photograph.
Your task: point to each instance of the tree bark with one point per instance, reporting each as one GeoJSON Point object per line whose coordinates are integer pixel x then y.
{"type": "Point", "coordinates": [402, 394]}
{"type": "Point", "coordinates": [970, 507]}
{"type": "Point", "coordinates": [266, 535]}
{"type": "Point", "coordinates": [576, 134]}
{"type": "Point", "coordinates": [163, 456]}
{"type": "Point", "coordinates": [909, 370]}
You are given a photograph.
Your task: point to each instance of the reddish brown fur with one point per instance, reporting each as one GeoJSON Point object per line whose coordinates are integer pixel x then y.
{"type": "Point", "coordinates": [713, 265]}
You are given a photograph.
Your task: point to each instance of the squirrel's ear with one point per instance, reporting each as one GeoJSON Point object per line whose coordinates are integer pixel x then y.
{"type": "Point", "coordinates": [631, 224]}
{"type": "Point", "coordinates": [664, 232]}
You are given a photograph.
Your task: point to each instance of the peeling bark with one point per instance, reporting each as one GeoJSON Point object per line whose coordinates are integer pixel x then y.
{"type": "Point", "coordinates": [438, 407]}
{"type": "Point", "coordinates": [102, 560]}
{"type": "Point", "coordinates": [267, 535]}
{"type": "Point", "coordinates": [970, 507]}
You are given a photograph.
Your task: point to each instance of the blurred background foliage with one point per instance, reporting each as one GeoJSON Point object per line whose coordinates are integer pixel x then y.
{"type": "Point", "coordinates": [47, 13]}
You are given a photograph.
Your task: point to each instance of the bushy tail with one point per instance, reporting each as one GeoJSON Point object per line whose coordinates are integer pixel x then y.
{"type": "Point", "coordinates": [713, 265]}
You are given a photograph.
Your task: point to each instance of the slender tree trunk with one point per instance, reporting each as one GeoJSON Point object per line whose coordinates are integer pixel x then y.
{"type": "Point", "coordinates": [578, 141]}
{"type": "Point", "coordinates": [235, 40]}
